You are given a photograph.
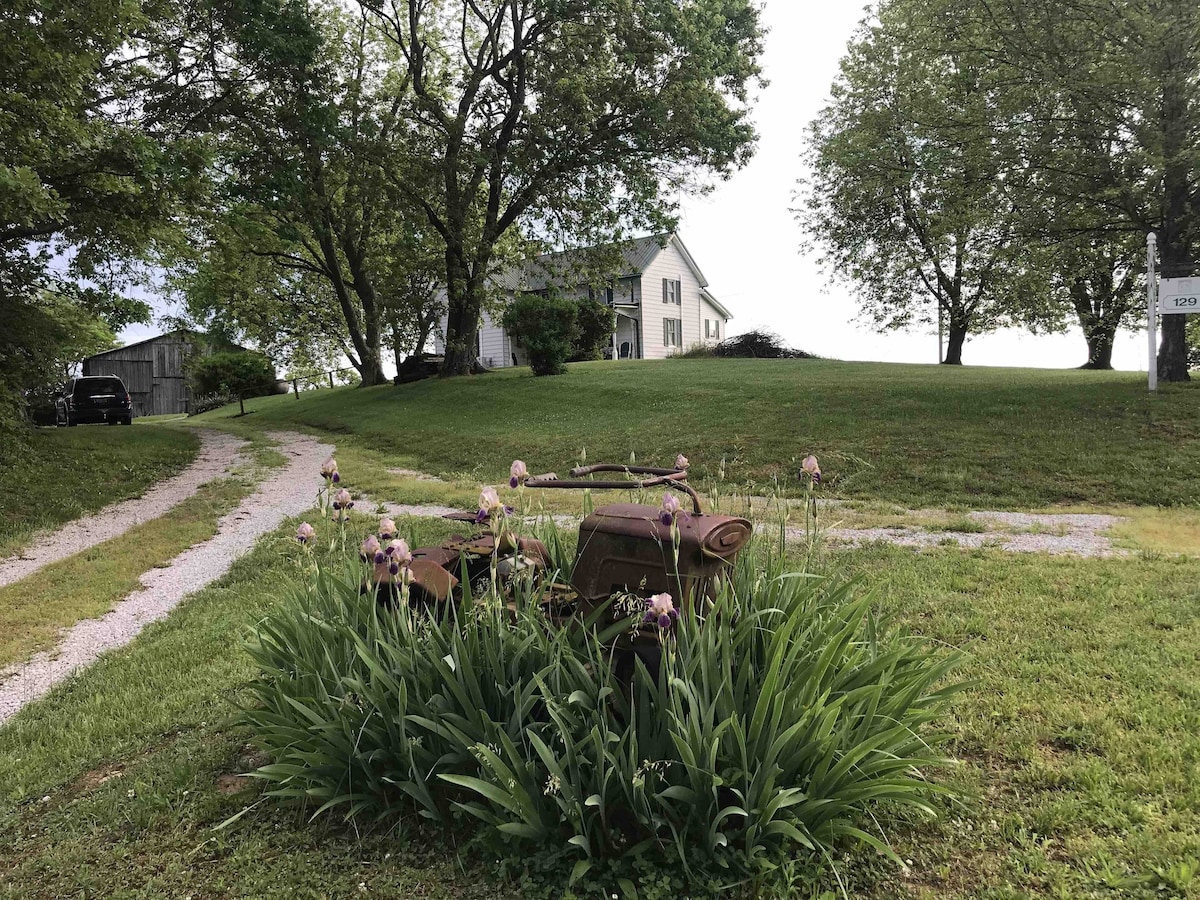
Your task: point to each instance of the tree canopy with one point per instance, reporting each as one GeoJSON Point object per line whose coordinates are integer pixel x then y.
{"type": "Point", "coordinates": [1018, 151]}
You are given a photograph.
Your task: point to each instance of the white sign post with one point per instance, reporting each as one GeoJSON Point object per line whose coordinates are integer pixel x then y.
{"type": "Point", "coordinates": [1151, 319]}
{"type": "Point", "coordinates": [1174, 297]}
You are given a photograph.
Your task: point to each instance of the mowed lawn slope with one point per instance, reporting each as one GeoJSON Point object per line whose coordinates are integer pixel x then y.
{"type": "Point", "coordinates": [66, 473]}
{"type": "Point", "coordinates": [917, 435]}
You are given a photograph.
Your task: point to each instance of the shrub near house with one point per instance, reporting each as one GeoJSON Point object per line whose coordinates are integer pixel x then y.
{"type": "Point", "coordinates": [231, 375]}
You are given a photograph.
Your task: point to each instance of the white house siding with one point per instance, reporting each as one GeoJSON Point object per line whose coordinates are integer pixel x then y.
{"type": "Point", "coordinates": [669, 264]}
{"type": "Point", "coordinates": [494, 345]}
{"type": "Point", "coordinates": [709, 312]}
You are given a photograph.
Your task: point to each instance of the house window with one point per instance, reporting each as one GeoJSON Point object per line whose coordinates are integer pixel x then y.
{"type": "Point", "coordinates": [672, 332]}
{"type": "Point", "coordinates": [712, 329]}
{"type": "Point", "coordinates": [672, 291]}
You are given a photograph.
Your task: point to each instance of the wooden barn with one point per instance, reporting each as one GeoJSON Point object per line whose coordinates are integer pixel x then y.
{"type": "Point", "coordinates": [152, 371]}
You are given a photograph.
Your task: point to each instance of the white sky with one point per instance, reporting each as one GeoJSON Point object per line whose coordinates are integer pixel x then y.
{"type": "Point", "coordinates": [746, 240]}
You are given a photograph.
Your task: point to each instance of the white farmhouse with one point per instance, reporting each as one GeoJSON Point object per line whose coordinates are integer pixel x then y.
{"type": "Point", "coordinates": [660, 296]}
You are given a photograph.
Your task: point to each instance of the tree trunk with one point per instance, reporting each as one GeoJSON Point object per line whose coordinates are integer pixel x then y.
{"type": "Point", "coordinates": [1099, 330]}
{"type": "Point", "coordinates": [954, 347]}
{"type": "Point", "coordinates": [397, 352]}
{"type": "Point", "coordinates": [1100, 347]}
{"type": "Point", "coordinates": [464, 303]}
{"type": "Point", "coordinates": [371, 371]}
{"type": "Point", "coordinates": [1173, 351]}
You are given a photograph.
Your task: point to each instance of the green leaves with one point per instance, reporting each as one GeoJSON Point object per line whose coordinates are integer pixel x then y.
{"type": "Point", "coordinates": [784, 717]}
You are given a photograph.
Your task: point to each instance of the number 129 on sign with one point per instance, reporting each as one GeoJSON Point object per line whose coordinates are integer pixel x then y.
{"type": "Point", "coordinates": [1179, 295]}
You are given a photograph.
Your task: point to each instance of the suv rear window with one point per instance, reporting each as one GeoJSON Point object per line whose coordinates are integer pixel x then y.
{"type": "Point", "coordinates": [92, 387]}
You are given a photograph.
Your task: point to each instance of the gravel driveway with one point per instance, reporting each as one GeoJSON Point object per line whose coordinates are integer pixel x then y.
{"type": "Point", "coordinates": [218, 455]}
{"type": "Point", "coordinates": [288, 491]}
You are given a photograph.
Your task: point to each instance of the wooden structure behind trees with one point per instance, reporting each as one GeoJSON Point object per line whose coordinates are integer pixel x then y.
{"type": "Point", "coordinates": [154, 370]}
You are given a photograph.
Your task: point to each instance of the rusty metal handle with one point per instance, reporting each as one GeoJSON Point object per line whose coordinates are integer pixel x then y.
{"type": "Point", "coordinates": [583, 471]}
{"type": "Point", "coordinates": [675, 478]}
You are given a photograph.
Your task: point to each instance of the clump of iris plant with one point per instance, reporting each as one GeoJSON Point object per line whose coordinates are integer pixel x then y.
{"type": "Point", "coordinates": [305, 533]}
{"type": "Point", "coordinates": [329, 470]}
{"type": "Point", "coordinates": [661, 611]}
{"type": "Point", "coordinates": [518, 474]}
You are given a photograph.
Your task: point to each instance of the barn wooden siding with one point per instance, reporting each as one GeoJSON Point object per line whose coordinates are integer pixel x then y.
{"type": "Point", "coordinates": [152, 371]}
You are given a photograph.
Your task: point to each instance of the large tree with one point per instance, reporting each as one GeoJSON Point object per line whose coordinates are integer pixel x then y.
{"type": "Point", "coordinates": [1121, 74]}
{"type": "Point", "coordinates": [908, 197]}
{"type": "Point", "coordinates": [572, 119]}
{"type": "Point", "coordinates": [308, 130]}
{"type": "Point", "coordinates": [91, 174]}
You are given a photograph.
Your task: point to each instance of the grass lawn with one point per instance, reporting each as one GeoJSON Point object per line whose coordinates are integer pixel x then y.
{"type": "Point", "coordinates": [1079, 746]}
{"type": "Point", "coordinates": [1079, 741]}
{"type": "Point", "coordinates": [70, 472]}
{"type": "Point", "coordinates": [86, 585]}
{"type": "Point", "coordinates": [138, 760]}
{"type": "Point", "coordinates": [916, 435]}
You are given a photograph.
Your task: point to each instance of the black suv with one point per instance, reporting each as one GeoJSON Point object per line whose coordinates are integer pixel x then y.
{"type": "Point", "coordinates": [95, 398]}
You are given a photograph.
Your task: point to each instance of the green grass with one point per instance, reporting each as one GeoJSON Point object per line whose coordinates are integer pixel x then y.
{"type": "Point", "coordinates": [1079, 745]}
{"type": "Point", "coordinates": [70, 472]}
{"type": "Point", "coordinates": [85, 585]}
{"type": "Point", "coordinates": [920, 436]}
{"type": "Point", "coordinates": [139, 760]}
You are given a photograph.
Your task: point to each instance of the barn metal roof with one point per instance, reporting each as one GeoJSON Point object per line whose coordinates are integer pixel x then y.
{"type": "Point", "coordinates": [157, 337]}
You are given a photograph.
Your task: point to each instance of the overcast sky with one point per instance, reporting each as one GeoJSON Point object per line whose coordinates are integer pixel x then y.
{"type": "Point", "coordinates": [746, 240]}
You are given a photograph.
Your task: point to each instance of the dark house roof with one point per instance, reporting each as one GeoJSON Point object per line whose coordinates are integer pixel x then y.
{"type": "Point", "coordinates": [556, 268]}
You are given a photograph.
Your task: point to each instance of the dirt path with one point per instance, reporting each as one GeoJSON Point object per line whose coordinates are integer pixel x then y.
{"type": "Point", "coordinates": [1058, 534]}
{"type": "Point", "coordinates": [288, 491]}
{"type": "Point", "coordinates": [219, 453]}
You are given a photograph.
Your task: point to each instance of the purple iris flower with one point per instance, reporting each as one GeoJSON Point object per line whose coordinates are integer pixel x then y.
{"type": "Point", "coordinates": [661, 611]}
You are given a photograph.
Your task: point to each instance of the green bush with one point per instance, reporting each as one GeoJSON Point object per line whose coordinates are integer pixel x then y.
{"type": "Point", "coordinates": [238, 374]}
{"type": "Point", "coordinates": [596, 322]}
{"type": "Point", "coordinates": [546, 327]}
{"type": "Point", "coordinates": [782, 720]}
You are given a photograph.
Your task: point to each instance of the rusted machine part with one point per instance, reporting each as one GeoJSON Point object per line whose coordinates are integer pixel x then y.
{"type": "Point", "coordinates": [674, 478]}
{"type": "Point", "coordinates": [625, 547]}
{"type": "Point", "coordinates": [435, 571]}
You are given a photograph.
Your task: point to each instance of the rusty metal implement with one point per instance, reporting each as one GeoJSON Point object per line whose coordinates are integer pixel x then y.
{"type": "Point", "coordinates": [624, 548]}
